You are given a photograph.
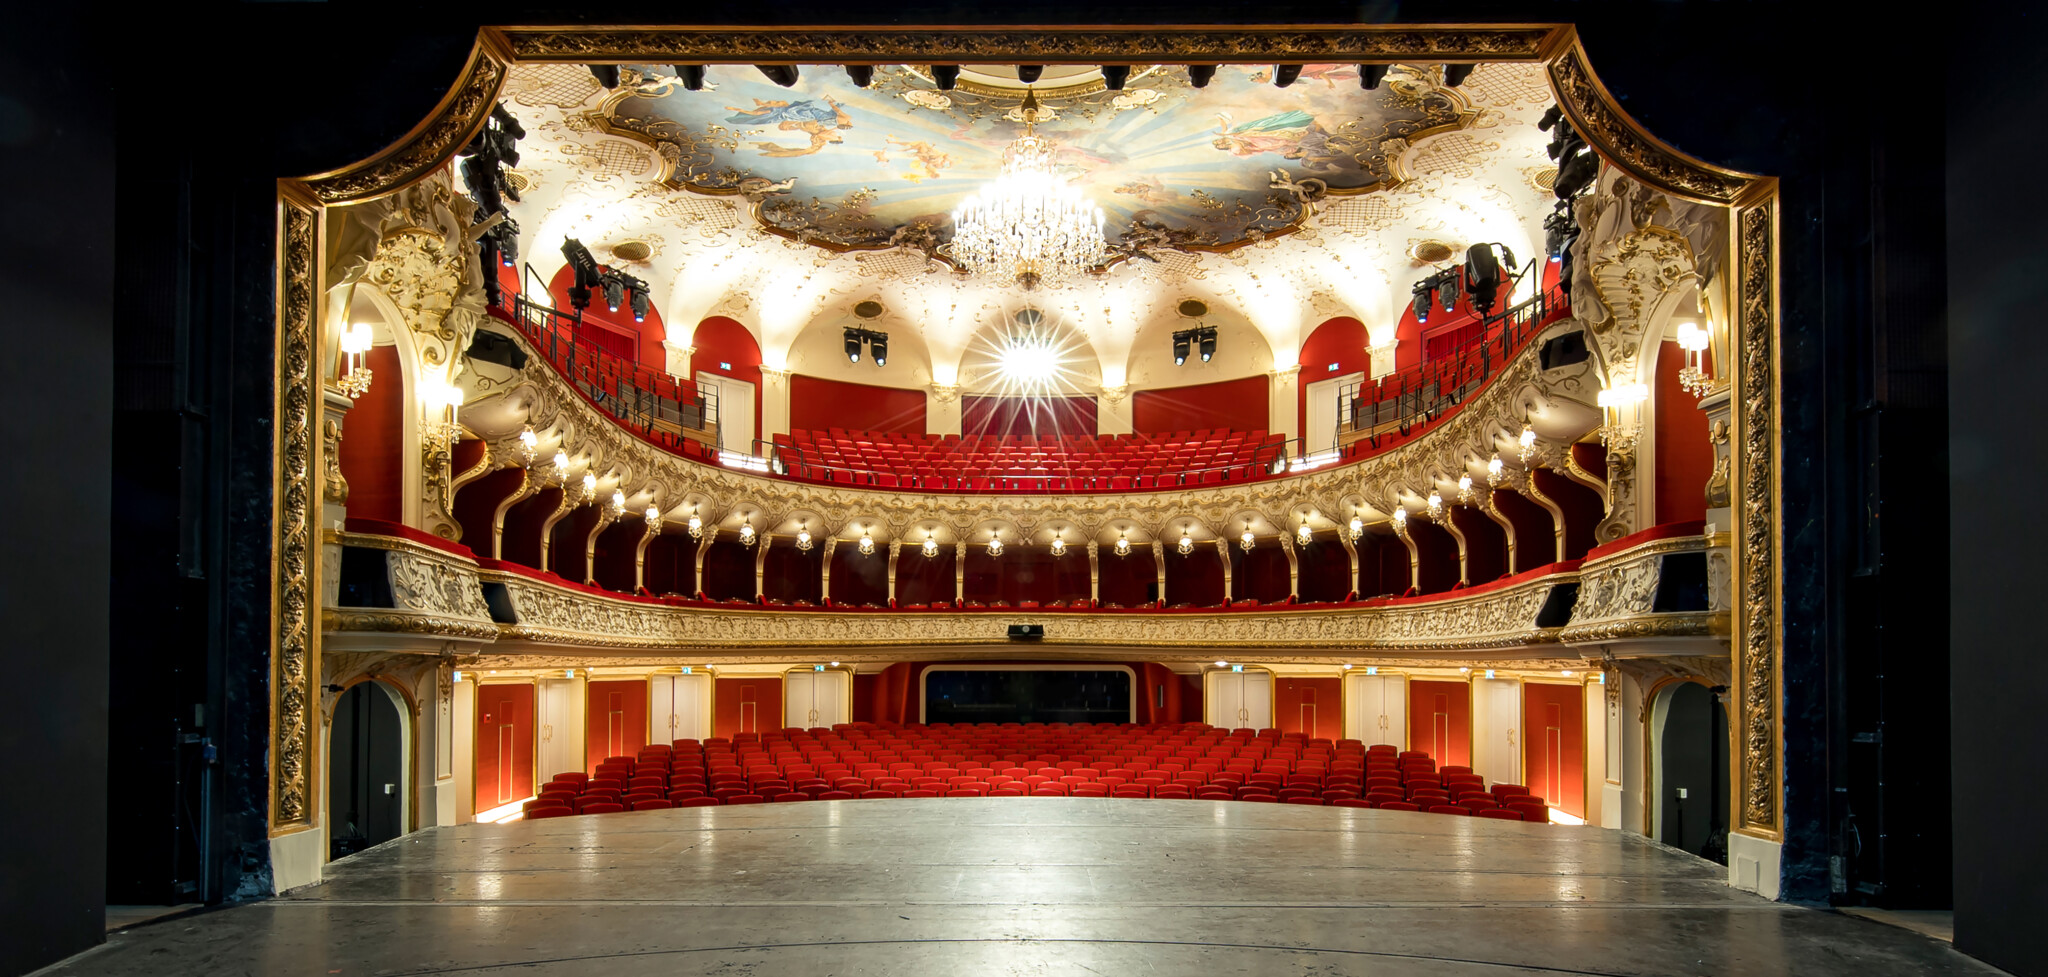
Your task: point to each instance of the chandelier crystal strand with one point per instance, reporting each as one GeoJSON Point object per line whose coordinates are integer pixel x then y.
{"type": "Point", "coordinates": [1027, 226]}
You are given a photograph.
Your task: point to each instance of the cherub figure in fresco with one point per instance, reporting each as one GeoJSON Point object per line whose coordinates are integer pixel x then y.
{"type": "Point", "coordinates": [928, 156]}
{"type": "Point", "coordinates": [821, 122]}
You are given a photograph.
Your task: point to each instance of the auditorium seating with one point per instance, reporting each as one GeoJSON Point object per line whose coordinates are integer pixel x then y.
{"type": "Point", "coordinates": [1022, 463]}
{"type": "Point", "coordinates": [1189, 761]}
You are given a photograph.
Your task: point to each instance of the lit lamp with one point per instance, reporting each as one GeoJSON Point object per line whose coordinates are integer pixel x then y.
{"type": "Point", "coordinates": [355, 344]}
{"type": "Point", "coordinates": [1621, 417]}
{"type": "Point", "coordinates": [617, 509]}
{"type": "Point", "coordinates": [439, 428]}
{"type": "Point", "coordinates": [1465, 494]}
{"type": "Point", "coordinates": [1303, 534]}
{"type": "Point", "coordinates": [929, 548]}
{"type": "Point", "coordinates": [995, 543]}
{"type": "Point", "coordinates": [1059, 545]}
{"type": "Point", "coordinates": [1123, 544]}
{"type": "Point", "coordinates": [529, 443]}
{"type": "Point", "coordinates": [1436, 504]}
{"type": "Point", "coordinates": [1357, 527]}
{"type": "Point", "coordinates": [1494, 470]}
{"type": "Point", "coordinates": [1245, 541]}
{"type": "Point", "coordinates": [653, 519]}
{"type": "Point", "coordinates": [589, 493]}
{"type": "Point", "coordinates": [867, 542]}
{"type": "Point", "coordinates": [696, 524]}
{"type": "Point", "coordinates": [1400, 518]}
{"type": "Point", "coordinates": [1186, 544]}
{"type": "Point", "coordinates": [1693, 377]}
{"type": "Point", "coordinates": [803, 539]}
{"type": "Point", "coordinates": [746, 534]}
{"type": "Point", "coordinates": [1526, 444]}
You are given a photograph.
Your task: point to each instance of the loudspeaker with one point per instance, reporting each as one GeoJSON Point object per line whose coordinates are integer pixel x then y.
{"type": "Point", "coordinates": [1564, 351]}
{"type": "Point", "coordinates": [1026, 632]}
{"type": "Point", "coordinates": [492, 347]}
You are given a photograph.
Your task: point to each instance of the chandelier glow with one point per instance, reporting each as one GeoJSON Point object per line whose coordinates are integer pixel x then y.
{"type": "Point", "coordinates": [867, 543]}
{"type": "Point", "coordinates": [1027, 226]}
{"type": "Point", "coordinates": [995, 544]}
{"type": "Point", "coordinates": [931, 546]}
{"type": "Point", "coordinates": [1187, 544]}
{"type": "Point", "coordinates": [746, 534]}
{"type": "Point", "coordinates": [1059, 546]}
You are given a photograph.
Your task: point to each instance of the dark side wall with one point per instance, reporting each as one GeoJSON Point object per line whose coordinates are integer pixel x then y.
{"type": "Point", "coordinates": [1997, 354]}
{"type": "Point", "coordinates": [56, 274]}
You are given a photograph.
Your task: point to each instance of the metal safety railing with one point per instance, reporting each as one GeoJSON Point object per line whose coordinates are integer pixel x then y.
{"type": "Point", "coordinates": [672, 412]}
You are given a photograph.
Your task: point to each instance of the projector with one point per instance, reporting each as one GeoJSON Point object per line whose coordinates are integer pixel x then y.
{"type": "Point", "coordinates": [1026, 632]}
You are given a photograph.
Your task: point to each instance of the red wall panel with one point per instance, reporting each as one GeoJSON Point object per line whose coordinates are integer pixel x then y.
{"type": "Point", "coordinates": [1535, 530]}
{"type": "Point", "coordinates": [615, 720]}
{"type": "Point", "coordinates": [521, 542]}
{"type": "Point", "coordinates": [1260, 575]}
{"type": "Point", "coordinates": [504, 744]}
{"type": "Point", "coordinates": [1027, 416]}
{"type": "Point", "coordinates": [745, 705]}
{"type": "Point", "coordinates": [568, 542]}
{"type": "Point", "coordinates": [1486, 544]}
{"type": "Point", "coordinates": [1437, 551]}
{"type": "Point", "coordinates": [1685, 458]}
{"type": "Point", "coordinates": [1310, 705]}
{"type": "Point", "coordinates": [1554, 744]}
{"type": "Point", "coordinates": [1240, 405]}
{"type": "Point", "coordinates": [1440, 721]}
{"type": "Point", "coordinates": [372, 448]}
{"type": "Point", "coordinates": [816, 404]}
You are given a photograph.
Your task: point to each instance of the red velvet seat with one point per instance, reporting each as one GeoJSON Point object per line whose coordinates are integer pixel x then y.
{"type": "Point", "coordinates": [1498, 814]}
{"type": "Point", "coordinates": [698, 802]}
{"type": "Point", "coordinates": [1398, 806]}
{"type": "Point", "coordinates": [745, 799]}
{"type": "Point", "coordinates": [601, 807]}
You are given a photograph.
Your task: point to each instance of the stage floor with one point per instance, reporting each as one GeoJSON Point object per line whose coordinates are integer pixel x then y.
{"type": "Point", "coordinates": [996, 886]}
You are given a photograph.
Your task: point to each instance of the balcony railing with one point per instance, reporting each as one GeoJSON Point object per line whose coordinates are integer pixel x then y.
{"type": "Point", "coordinates": [669, 411]}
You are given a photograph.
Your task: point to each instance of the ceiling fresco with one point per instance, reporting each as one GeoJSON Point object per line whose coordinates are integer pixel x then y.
{"type": "Point", "coordinates": [1171, 165]}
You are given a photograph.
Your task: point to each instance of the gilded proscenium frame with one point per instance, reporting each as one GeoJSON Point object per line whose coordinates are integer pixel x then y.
{"type": "Point", "coordinates": [1597, 114]}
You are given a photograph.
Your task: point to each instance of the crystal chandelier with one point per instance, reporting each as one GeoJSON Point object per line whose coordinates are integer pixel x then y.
{"type": "Point", "coordinates": [803, 539]}
{"type": "Point", "coordinates": [995, 543]}
{"type": "Point", "coordinates": [867, 543]}
{"type": "Point", "coordinates": [1027, 226]}
{"type": "Point", "coordinates": [1059, 545]}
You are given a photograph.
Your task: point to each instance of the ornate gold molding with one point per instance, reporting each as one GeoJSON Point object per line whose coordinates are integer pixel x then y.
{"type": "Point", "coordinates": [1621, 140]}
{"type": "Point", "coordinates": [1052, 45]}
{"type": "Point", "coordinates": [294, 641]}
{"type": "Point", "coordinates": [429, 146]}
{"type": "Point", "coordinates": [387, 621]}
{"type": "Point", "coordinates": [1758, 671]}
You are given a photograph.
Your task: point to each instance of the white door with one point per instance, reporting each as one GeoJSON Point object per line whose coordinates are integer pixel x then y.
{"type": "Point", "coordinates": [815, 700]}
{"type": "Point", "coordinates": [681, 708]}
{"type": "Point", "coordinates": [1376, 709]}
{"type": "Point", "coordinates": [1239, 700]}
{"type": "Point", "coordinates": [1324, 411]}
{"type": "Point", "coordinates": [1496, 730]}
{"type": "Point", "coordinates": [558, 714]}
{"type": "Point", "coordinates": [735, 410]}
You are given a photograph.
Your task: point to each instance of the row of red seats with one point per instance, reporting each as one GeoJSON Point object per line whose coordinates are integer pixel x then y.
{"type": "Point", "coordinates": [1022, 462]}
{"type": "Point", "coordinates": [1172, 762]}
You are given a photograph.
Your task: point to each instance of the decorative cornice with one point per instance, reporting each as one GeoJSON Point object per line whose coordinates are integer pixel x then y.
{"type": "Point", "coordinates": [352, 619]}
{"type": "Point", "coordinates": [1690, 624]}
{"type": "Point", "coordinates": [447, 129]}
{"type": "Point", "coordinates": [1622, 141]}
{"type": "Point", "coordinates": [1051, 45]}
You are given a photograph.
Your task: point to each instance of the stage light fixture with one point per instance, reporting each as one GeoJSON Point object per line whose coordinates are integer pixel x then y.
{"type": "Point", "coordinates": [862, 75]}
{"type": "Point", "coordinates": [637, 300]}
{"type": "Point", "coordinates": [1455, 74]}
{"type": "Point", "coordinates": [1114, 76]}
{"type": "Point", "coordinates": [1285, 74]}
{"type": "Point", "coordinates": [1029, 73]}
{"type": "Point", "coordinates": [691, 76]}
{"type": "Point", "coordinates": [1208, 343]}
{"type": "Point", "coordinates": [1199, 75]}
{"type": "Point", "coordinates": [1181, 345]}
{"type": "Point", "coordinates": [876, 342]}
{"type": "Point", "coordinates": [853, 345]}
{"type": "Point", "coordinates": [945, 76]}
{"type": "Point", "coordinates": [1370, 75]}
{"type": "Point", "coordinates": [587, 276]}
{"type": "Point", "coordinates": [614, 292]}
{"type": "Point", "coordinates": [781, 74]}
{"type": "Point", "coordinates": [878, 347]}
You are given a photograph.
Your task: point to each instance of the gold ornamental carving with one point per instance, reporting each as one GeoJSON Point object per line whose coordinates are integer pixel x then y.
{"type": "Point", "coordinates": [1757, 671]}
{"type": "Point", "coordinates": [294, 640]}
{"type": "Point", "coordinates": [1083, 45]}
{"type": "Point", "coordinates": [1616, 136]}
{"type": "Point", "coordinates": [427, 148]}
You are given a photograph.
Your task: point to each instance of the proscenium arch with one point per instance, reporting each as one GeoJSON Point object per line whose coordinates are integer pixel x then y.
{"type": "Point", "coordinates": [303, 332]}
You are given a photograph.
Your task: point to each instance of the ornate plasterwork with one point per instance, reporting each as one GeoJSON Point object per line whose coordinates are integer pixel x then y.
{"type": "Point", "coordinates": [1757, 670]}
{"type": "Point", "coordinates": [428, 147]}
{"type": "Point", "coordinates": [1600, 119]}
{"type": "Point", "coordinates": [295, 648]}
{"type": "Point", "coordinates": [1617, 597]}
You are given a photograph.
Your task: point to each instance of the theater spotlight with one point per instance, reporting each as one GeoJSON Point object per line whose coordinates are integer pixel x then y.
{"type": "Point", "coordinates": [1370, 75]}
{"type": "Point", "coordinates": [637, 299]}
{"type": "Point", "coordinates": [781, 74]}
{"type": "Point", "coordinates": [586, 271]}
{"type": "Point", "coordinates": [614, 292]}
{"type": "Point", "coordinates": [862, 75]}
{"type": "Point", "coordinates": [877, 343]}
{"type": "Point", "coordinates": [1181, 344]}
{"type": "Point", "coordinates": [878, 347]}
{"type": "Point", "coordinates": [691, 76]}
{"type": "Point", "coordinates": [606, 74]}
{"type": "Point", "coordinates": [852, 345]}
{"type": "Point", "coordinates": [945, 75]}
{"type": "Point", "coordinates": [1484, 276]}
{"type": "Point", "coordinates": [1208, 343]}
{"type": "Point", "coordinates": [1455, 74]}
{"type": "Point", "coordinates": [1114, 76]}
{"type": "Point", "coordinates": [1285, 74]}
{"type": "Point", "coordinates": [1199, 75]}
{"type": "Point", "coordinates": [1425, 296]}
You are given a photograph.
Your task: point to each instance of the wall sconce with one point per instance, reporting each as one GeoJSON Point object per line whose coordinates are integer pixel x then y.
{"type": "Point", "coordinates": [1059, 545]}
{"type": "Point", "coordinates": [355, 344]}
{"type": "Point", "coordinates": [1693, 377]}
{"type": "Point", "coordinates": [440, 427]}
{"type": "Point", "coordinates": [930, 547]}
{"type": "Point", "coordinates": [529, 445]}
{"type": "Point", "coordinates": [1465, 494]}
{"type": "Point", "coordinates": [1303, 534]}
{"type": "Point", "coordinates": [746, 534]}
{"type": "Point", "coordinates": [1436, 504]}
{"type": "Point", "coordinates": [803, 539]}
{"type": "Point", "coordinates": [995, 543]}
{"type": "Point", "coordinates": [653, 519]}
{"type": "Point", "coordinates": [1621, 415]}
{"type": "Point", "coordinates": [1400, 518]}
{"type": "Point", "coordinates": [1356, 529]}
{"type": "Point", "coordinates": [696, 525]}
{"type": "Point", "coordinates": [867, 542]}
{"type": "Point", "coordinates": [1526, 444]}
{"type": "Point", "coordinates": [1186, 544]}
{"type": "Point", "coordinates": [1245, 542]}
{"type": "Point", "coordinates": [1123, 543]}
{"type": "Point", "coordinates": [1495, 468]}
{"type": "Point", "coordinates": [617, 509]}
{"type": "Point", "coordinates": [561, 470]}
{"type": "Point", "coordinates": [589, 493]}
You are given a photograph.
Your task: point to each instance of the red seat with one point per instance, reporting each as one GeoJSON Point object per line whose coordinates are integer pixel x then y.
{"type": "Point", "coordinates": [835, 795]}
{"type": "Point", "coordinates": [538, 812]}
{"type": "Point", "coordinates": [1398, 806]}
{"type": "Point", "coordinates": [602, 807]}
{"type": "Point", "coordinates": [653, 804]}
{"type": "Point", "coordinates": [698, 802]}
{"type": "Point", "coordinates": [1498, 814]}
{"type": "Point", "coordinates": [1310, 800]}
{"type": "Point", "coordinates": [1350, 802]}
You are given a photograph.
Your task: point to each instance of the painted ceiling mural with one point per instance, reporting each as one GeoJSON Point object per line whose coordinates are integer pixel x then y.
{"type": "Point", "coordinates": [1169, 164]}
{"type": "Point", "coordinates": [1470, 168]}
